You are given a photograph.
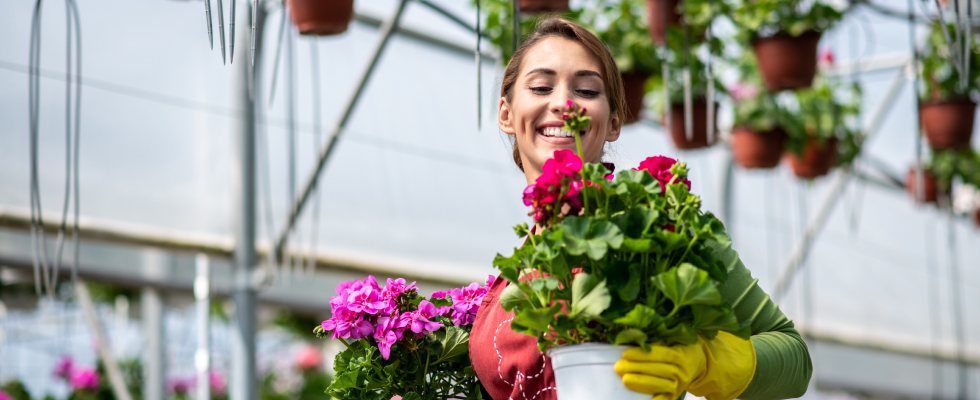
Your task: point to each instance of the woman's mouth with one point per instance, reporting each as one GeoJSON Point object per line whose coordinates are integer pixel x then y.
{"type": "Point", "coordinates": [557, 135]}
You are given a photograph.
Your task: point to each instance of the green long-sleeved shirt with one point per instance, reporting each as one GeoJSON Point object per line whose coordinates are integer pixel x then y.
{"type": "Point", "coordinates": [783, 366]}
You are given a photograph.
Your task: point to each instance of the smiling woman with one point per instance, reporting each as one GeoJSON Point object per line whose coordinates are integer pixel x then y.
{"type": "Point", "coordinates": [567, 62]}
{"type": "Point", "coordinates": [563, 67]}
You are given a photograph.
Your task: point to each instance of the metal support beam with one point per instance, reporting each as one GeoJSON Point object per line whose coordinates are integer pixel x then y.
{"type": "Point", "coordinates": [202, 357]}
{"type": "Point", "coordinates": [151, 301]}
{"type": "Point", "coordinates": [243, 373]}
{"type": "Point", "coordinates": [386, 31]}
{"type": "Point", "coordinates": [802, 248]}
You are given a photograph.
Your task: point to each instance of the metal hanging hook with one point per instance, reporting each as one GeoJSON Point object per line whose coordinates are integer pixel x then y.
{"type": "Point", "coordinates": [221, 30]}
{"type": "Point", "coordinates": [207, 13]}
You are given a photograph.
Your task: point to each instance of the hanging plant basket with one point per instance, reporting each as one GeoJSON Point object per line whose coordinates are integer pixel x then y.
{"type": "Point", "coordinates": [930, 188]}
{"type": "Point", "coordinates": [655, 17]}
{"type": "Point", "coordinates": [321, 17]}
{"type": "Point", "coordinates": [787, 62]}
{"type": "Point", "coordinates": [699, 134]}
{"type": "Point", "coordinates": [752, 149]}
{"type": "Point", "coordinates": [634, 84]}
{"type": "Point", "coordinates": [976, 217]}
{"type": "Point", "coordinates": [817, 159]}
{"type": "Point", "coordinates": [948, 124]}
{"type": "Point", "coordinates": [544, 6]}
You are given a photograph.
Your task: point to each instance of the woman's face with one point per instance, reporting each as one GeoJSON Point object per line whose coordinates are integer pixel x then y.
{"type": "Point", "coordinates": [556, 70]}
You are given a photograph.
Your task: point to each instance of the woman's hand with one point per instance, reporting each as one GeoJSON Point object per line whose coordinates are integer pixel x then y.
{"type": "Point", "coordinates": [717, 369]}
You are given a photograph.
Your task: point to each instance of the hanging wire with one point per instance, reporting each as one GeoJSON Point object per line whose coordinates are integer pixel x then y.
{"type": "Point", "coordinates": [275, 60]}
{"type": "Point", "coordinates": [710, 95]}
{"type": "Point", "coordinates": [479, 71]}
{"type": "Point", "coordinates": [934, 321]}
{"type": "Point", "coordinates": [207, 14]}
{"type": "Point", "coordinates": [231, 32]}
{"type": "Point", "coordinates": [686, 77]}
{"type": "Point", "coordinates": [516, 39]}
{"type": "Point", "coordinates": [255, 10]}
{"type": "Point", "coordinates": [59, 247]}
{"type": "Point", "coordinates": [38, 256]}
{"type": "Point", "coordinates": [665, 67]}
{"type": "Point", "coordinates": [221, 29]}
{"type": "Point", "coordinates": [291, 138]}
{"type": "Point", "coordinates": [919, 175]}
{"type": "Point", "coordinates": [318, 139]}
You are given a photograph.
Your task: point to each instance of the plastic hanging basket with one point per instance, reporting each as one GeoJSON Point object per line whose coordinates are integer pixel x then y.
{"type": "Point", "coordinates": [752, 149]}
{"type": "Point", "coordinates": [699, 132]}
{"type": "Point", "coordinates": [948, 124]}
{"type": "Point", "coordinates": [544, 6]}
{"type": "Point", "coordinates": [787, 62]}
{"type": "Point", "coordinates": [634, 84]}
{"type": "Point", "coordinates": [816, 161]}
{"type": "Point", "coordinates": [585, 372]}
{"type": "Point", "coordinates": [655, 16]}
{"type": "Point", "coordinates": [321, 17]}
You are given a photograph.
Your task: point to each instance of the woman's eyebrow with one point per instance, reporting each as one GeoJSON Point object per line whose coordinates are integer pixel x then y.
{"type": "Point", "coordinates": [588, 72]}
{"type": "Point", "coordinates": [545, 71]}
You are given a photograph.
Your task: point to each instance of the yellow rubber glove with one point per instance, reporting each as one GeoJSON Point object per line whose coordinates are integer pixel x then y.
{"type": "Point", "coordinates": [718, 369]}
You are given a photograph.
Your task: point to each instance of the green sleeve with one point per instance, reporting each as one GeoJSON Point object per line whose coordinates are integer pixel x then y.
{"type": "Point", "coordinates": [783, 366]}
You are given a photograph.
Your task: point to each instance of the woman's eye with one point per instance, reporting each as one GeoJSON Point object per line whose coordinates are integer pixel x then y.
{"type": "Point", "coordinates": [540, 89]}
{"type": "Point", "coordinates": [589, 93]}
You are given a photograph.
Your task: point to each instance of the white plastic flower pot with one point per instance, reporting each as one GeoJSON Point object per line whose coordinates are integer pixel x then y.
{"type": "Point", "coordinates": [585, 372]}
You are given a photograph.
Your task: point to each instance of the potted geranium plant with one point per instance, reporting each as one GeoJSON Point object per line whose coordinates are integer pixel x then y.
{"type": "Point", "coordinates": [400, 343]}
{"type": "Point", "coordinates": [544, 6]}
{"type": "Point", "coordinates": [498, 23]}
{"type": "Point", "coordinates": [625, 34]}
{"type": "Point", "coordinates": [947, 165]}
{"type": "Point", "coordinates": [319, 17]}
{"type": "Point", "coordinates": [697, 14]}
{"type": "Point", "coordinates": [698, 72]}
{"type": "Point", "coordinates": [784, 35]}
{"type": "Point", "coordinates": [822, 127]}
{"type": "Point", "coordinates": [948, 106]}
{"type": "Point", "coordinates": [757, 138]}
{"type": "Point", "coordinates": [614, 261]}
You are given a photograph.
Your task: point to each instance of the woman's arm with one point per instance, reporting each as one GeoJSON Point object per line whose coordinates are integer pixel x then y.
{"type": "Point", "coordinates": [783, 366]}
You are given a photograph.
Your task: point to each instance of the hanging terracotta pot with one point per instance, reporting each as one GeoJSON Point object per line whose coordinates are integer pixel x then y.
{"type": "Point", "coordinates": [817, 158]}
{"type": "Point", "coordinates": [948, 123]}
{"type": "Point", "coordinates": [634, 84]}
{"type": "Point", "coordinates": [321, 17]}
{"type": "Point", "coordinates": [699, 133]}
{"type": "Point", "coordinates": [544, 6]}
{"type": "Point", "coordinates": [930, 188]}
{"type": "Point", "coordinates": [976, 217]}
{"type": "Point", "coordinates": [752, 149]}
{"type": "Point", "coordinates": [787, 62]}
{"type": "Point", "coordinates": [655, 16]}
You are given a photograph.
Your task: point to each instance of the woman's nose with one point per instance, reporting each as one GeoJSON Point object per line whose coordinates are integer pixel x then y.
{"type": "Point", "coordinates": [559, 99]}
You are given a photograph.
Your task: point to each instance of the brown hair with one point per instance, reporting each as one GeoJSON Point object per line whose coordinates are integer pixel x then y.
{"type": "Point", "coordinates": [566, 29]}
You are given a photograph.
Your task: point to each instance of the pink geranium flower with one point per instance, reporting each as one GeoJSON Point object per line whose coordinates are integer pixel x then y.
{"type": "Point", "coordinates": [419, 319]}
{"type": "Point", "coordinates": [825, 58]}
{"type": "Point", "coordinates": [85, 379]}
{"type": "Point", "coordinates": [390, 330]}
{"type": "Point", "coordinates": [179, 386]}
{"type": "Point", "coordinates": [5, 396]}
{"type": "Point", "coordinates": [740, 91]}
{"type": "Point", "coordinates": [218, 384]}
{"type": "Point", "coordinates": [366, 300]}
{"type": "Point", "coordinates": [659, 167]}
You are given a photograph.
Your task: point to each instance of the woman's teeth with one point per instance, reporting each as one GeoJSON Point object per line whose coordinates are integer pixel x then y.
{"type": "Point", "coordinates": [556, 132]}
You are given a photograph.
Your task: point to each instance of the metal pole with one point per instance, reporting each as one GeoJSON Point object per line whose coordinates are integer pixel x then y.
{"type": "Point", "coordinates": [387, 30]}
{"type": "Point", "coordinates": [152, 304]}
{"type": "Point", "coordinates": [202, 357]}
{"type": "Point", "coordinates": [243, 373]}
{"type": "Point", "coordinates": [802, 248]}
{"type": "Point", "coordinates": [665, 71]}
{"type": "Point", "coordinates": [959, 319]}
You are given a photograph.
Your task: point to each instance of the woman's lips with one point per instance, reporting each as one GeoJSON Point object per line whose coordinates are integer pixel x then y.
{"type": "Point", "coordinates": [556, 140]}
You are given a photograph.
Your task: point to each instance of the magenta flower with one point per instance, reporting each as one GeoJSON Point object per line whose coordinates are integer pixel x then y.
{"type": "Point", "coordinates": [64, 367]}
{"type": "Point", "coordinates": [659, 167]}
{"type": "Point", "coordinates": [390, 330]}
{"type": "Point", "coordinates": [825, 58]}
{"type": "Point", "coordinates": [439, 294]}
{"type": "Point", "coordinates": [564, 163]}
{"type": "Point", "coordinates": [85, 379]}
{"type": "Point", "coordinates": [490, 280]}
{"type": "Point", "coordinates": [367, 300]}
{"type": "Point", "coordinates": [5, 396]}
{"type": "Point", "coordinates": [218, 384]}
{"type": "Point", "coordinates": [347, 324]}
{"type": "Point", "coordinates": [569, 103]}
{"type": "Point", "coordinates": [179, 386]}
{"type": "Point", "coordinates": [395, 288]}
{"type": "Point", "coordinates": [419, 319]}
{"type": "Point", "coordinates": [467, 301]}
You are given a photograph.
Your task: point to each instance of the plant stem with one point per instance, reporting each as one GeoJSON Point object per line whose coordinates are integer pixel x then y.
{"type": "Point", "coordinates": [344, 342]}
{"type": "Point", "coordinates": [578, 146]}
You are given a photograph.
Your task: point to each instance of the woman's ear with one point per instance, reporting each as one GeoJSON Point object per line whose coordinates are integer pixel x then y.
{"type": "Point", "coordinates": [615, 126]}
{"type": "Point", "coordinates": [503, 118]}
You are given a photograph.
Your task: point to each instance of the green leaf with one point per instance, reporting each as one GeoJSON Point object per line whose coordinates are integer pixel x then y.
{"type": "Point", "coordinates": [411, 396]}
{"type": "Point", "coordinates": [640, 317]}
{"type": "Point", "coordinates": [631, 289]}
{"type": "Point", "coordinates": [521, 230]}
{"type": "Point", "coordinates": [512, 297]}
{"type": "Point", "coordinates": [581, 236]}
{"type": "Point", "coordinates": [714, 318]}
{"type": "Point", "coordinates": [686, 285]}
{"type": "Point", "coordinates": [455, 341]}
{"type": "Point", "coordinates": [630, 336]}
{"type": "Point", "coordinates": [590, 297]}
{"type": "Point", "coordinates": [539, 320]}
{"type": "Point", "coordinates": [680, 333]}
